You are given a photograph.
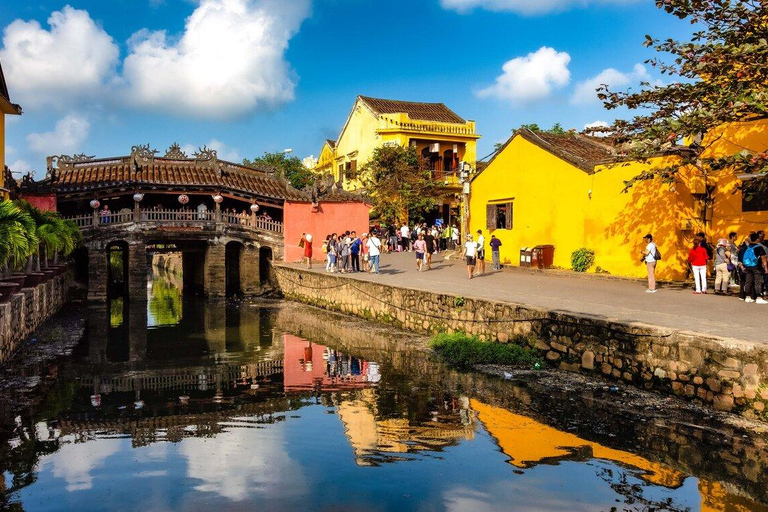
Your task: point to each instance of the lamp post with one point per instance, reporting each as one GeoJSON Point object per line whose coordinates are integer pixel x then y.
{"type": "Point", "coordinates": [466, 169]}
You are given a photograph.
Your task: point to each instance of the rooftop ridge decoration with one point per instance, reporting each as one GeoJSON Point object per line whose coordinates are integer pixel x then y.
{"type": "Point", "coordinates": [142, 154]}
{"type": "Point", "coordinates": [175, 152]}
{"type": "Point", "coordinates": [66, 160]}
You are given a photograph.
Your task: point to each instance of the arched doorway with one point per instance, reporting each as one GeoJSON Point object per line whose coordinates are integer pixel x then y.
{"type": "Point", "coordinates": [233, 257]}
{"type": "Point", "coordinates": [117, 269]}
{"type": "Point", "coordinates": [265, 266]}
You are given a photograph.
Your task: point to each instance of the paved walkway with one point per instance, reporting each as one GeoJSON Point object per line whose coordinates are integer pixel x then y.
{"type": "Point", "coordinates": [618, 299]}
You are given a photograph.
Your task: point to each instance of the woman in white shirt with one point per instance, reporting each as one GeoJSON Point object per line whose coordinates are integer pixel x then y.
{"type": "Point", "coordinates": [470, 252]}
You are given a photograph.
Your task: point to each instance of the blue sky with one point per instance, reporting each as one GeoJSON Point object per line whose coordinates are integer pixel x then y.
{"type": "Point", "coordinates": [249, 76]}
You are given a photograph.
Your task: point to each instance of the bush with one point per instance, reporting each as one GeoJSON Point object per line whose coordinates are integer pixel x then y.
{"type": "Point", "coordinates": [582, 259]}
{"type": "Point", "coordinates": [463, 351]}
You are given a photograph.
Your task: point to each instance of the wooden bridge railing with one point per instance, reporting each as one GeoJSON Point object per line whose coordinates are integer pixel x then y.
{"type": "Point", "coordinates": [184, 217]}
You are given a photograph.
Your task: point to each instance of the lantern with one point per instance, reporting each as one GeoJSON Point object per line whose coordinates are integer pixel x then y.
{"type": "Point", "coordinates": [183, 198]}
{"type": "Point", "coordinates": [138, 197]}
{"type": "Point", "coordinates": [95, 203]}
{"type": "Point", "coordinates": [254, 208]}
{"type": "Point", "coordinates": [218, 199]}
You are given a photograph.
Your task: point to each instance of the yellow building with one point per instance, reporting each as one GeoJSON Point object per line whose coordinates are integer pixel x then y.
{"type": "Point", "coordinates": [567, 191]}
{"type": "Point", "coordinates": [7, 108]}
{"type": "Point", "coordinates": [441, 138]}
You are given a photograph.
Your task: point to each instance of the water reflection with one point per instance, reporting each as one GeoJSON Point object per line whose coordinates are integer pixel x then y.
{"type": "Point", "coordinates": [291, 408]}
{"type": "Point", "coordinates": [164, 304]}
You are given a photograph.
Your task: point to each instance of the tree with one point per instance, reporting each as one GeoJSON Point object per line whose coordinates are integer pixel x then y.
{"type": "Point", "coordinates": [557, 128]}
{"type": "Point", "coordinates": [399, 188]}
{"type": "Point", "coordinates": [52, 234]}
{"type": "Point", "coordinates": [17, 232]}
{"type": "Point", "coordinates": [721, 72]}
{"type": "Point", "coordinates": [289, 167]}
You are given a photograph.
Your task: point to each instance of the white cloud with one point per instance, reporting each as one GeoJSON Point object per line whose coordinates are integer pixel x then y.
{"type": "Point", "coordinates": [524, 7]}
{"type": "Point", "coordinates": [229, 61]}
{"type": "Point", "coordinates": [68, 136]}
{"type": "Point", "coordinates": [585, 92]}
{"type": "Point", "coordinates": [531, 77]}
{"type": "Point", "coordinates": [75, 463]}
{"type": "Point", "coordinates": [71, 62]}
{"type": "Point", "coordinates": [20, 166]}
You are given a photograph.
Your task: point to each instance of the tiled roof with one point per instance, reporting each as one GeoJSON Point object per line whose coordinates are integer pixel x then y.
{"type": "Point", "coordinates": [122, 173]}
{"type": "Point", "coordinates": [437, 112]}
{"type": "Point", "coordinates": [331, 143]}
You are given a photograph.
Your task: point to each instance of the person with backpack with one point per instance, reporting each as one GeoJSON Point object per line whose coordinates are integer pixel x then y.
{"type": "Point", "coordinates": [755, 266]}
{"type": "Point", "coordinates": [698, 259]}
{"type": "Point", "coordinates": [651, 255]}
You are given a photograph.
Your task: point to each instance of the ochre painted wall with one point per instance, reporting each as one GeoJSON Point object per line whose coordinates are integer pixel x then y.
{"type": "Point", "coordinates": [552, 205]}
{"type": "Point", "coordinates": [329, 218]}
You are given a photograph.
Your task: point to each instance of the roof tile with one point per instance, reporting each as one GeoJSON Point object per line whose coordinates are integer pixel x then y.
{"type": "Point", "coordinates": [436, 112]}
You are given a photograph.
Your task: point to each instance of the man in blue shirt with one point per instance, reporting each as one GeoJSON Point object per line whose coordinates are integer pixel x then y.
{"type": "Point", "coordinates": [355, 251]}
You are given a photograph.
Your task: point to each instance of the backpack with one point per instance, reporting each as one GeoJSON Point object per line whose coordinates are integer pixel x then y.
{"type": "Point", "coordinates": [657, 255]}
{"type": "Point", "coordinates": [750, 258]}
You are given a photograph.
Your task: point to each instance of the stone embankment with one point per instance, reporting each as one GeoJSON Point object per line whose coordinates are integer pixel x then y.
{"type": "Point", "coordinates": [730, 375]}
{"type": "Point", "coordinates": [29, 308]}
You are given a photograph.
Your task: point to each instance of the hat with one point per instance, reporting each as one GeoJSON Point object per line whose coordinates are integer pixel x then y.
{"type": "Point", "coordinates": [722, 242]}
{"type": "Point", "coordinates": [364, 234]}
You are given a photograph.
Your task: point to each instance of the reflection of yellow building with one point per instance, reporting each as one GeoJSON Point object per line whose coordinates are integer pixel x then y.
{"type": "Point", "coordinates": [527, 443]}
{"type": "Point", "coordinates": [561, 190]}
{"type": "Point", "coordinates": [370, 436]}
{"type": "Point", "coordinates": [6, 108]}
{"type": "Point", "coordinates": [440, 137]}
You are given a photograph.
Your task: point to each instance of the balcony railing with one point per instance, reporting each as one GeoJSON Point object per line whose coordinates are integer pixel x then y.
{"type": "Point", "coordinates": [177, 218]}
{"type": "Point", "coordinates": [447, 128]}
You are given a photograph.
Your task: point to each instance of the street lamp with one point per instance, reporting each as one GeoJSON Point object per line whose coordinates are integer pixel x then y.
{"type": "Point", "coordinates": [465, 171]}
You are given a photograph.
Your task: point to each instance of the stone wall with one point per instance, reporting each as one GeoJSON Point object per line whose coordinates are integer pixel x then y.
{"type": "Point", "coordinates": [26, 310]}
{"type": "Point", "coordinates": [727, 374]}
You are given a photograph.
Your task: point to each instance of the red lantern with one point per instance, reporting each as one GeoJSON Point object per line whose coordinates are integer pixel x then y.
{"type": "Point", "coordinates": [183, 198]}
{"type": "Point", "coordinates": [218, 198]}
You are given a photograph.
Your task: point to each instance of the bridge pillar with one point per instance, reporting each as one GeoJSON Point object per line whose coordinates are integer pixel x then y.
{"type": "Point", "coordinates": [215, 270]}
{"type": "Point", "coordinates": [137, 271]}
{"type": "Point", "coordinates": [97, 273]}
{"type": "Point", "coordinates": [250, 281]}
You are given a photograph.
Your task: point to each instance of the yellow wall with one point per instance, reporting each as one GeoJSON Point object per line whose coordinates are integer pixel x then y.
{"type": "Point", "coordinates": [552, 205]}
{"type": "Point", "coordinates": [325, 161]}
{"type": "Point", "coordinates": [3, 195]}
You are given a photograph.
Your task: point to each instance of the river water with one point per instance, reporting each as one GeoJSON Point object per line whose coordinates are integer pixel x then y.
{"type": "Point", "coordinates": [181, 405]}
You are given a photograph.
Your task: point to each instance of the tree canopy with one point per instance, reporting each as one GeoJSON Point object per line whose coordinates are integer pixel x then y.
{"type": "Point", "coordinates": [290, 167]}
{"type": "Point", "coordinates": [720, 77]}
{"type": "Point", "coordinates": [398, 187]}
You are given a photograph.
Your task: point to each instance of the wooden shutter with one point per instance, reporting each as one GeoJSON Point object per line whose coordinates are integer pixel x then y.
{"type": "Point", "coordinates": [509, 215]}
{"type": "Point", "coordinates": [490, 216]}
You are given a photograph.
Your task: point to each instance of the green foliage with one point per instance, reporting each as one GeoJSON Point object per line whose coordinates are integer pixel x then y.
{"type": "Point", "coordinates": [398, 188]}
{"type": "Point", "coordinates": [284, 166]}
{"type": "Point", "coordinates": [459, 301]}
{"type": "Point", "coordinates": [17, 234]}
{"type": "Point", "coordinates": [582, 259]}
{"type": "Point", "coordinates": [463, 351]}
{"type": "Point", "coordinates": [721, 75]}
{"type": "Point", "coordinates": [165, 305]}
{"type": "Point", "coordinates": [557, 128]}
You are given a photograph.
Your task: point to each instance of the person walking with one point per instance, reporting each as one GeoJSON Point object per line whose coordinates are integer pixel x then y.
{"type": "Point", "coordinates": [755, 266]}
{"type": "Point", "coordinates": [495, 243]}
{"type": "Point", "coordinates": [698, 259]}
{"type": "Point", "coordinates": [420, 248]}
{"type": "Point", "coordinates": [364, 251]}
{"type": "Point", "coordinates": [470, 253]}
{"type": "Point", "coordinates": [306, 239]}
{"type": "Point", "coordinates": [405, 233]}
{"type": "Point", "coordinates": [431, 242]}
{"type": "Point", "coordinates": [734, 263]}
{"type": "Point", "coordinates": [722, 259]}
{"type": "Point", "coordinates": [649, 258]}
{"type": "Point", "coordinates": [480, 252]}
{"type": "Point", "coordinates": [374, 250]}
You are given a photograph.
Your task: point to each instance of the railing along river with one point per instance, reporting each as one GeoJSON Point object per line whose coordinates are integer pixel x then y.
{"type": "Point", "coordinates": [178, 218]}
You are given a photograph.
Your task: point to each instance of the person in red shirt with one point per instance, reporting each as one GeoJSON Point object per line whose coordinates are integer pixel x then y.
{"type": "Point", "coordinates": [698, 258]}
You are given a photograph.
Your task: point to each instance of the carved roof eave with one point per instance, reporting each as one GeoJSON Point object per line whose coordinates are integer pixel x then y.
{"type": "Point", "coordinates": [130, 188]}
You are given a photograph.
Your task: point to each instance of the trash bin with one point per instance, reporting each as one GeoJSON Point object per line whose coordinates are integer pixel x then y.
{"type": "Point", "coordinates": [543, 256]}
{"type": "Point", "coordinates": [525, 257]}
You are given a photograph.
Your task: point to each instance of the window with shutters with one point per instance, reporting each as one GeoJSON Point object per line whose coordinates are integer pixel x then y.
{"type": "Point", "coordinates": [498, 216]}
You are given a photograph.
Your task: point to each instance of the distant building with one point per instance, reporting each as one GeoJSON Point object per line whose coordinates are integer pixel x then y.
{"type": "Point", "coordinates": [7, 108]}
{"type": "Point", "coordinates": [440, 137]}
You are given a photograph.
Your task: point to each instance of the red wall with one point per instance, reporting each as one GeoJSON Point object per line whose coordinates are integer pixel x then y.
{"type": "Point", "coordinates": [329, 218]}
{"type": "Point", "coordinates": [45, 203]}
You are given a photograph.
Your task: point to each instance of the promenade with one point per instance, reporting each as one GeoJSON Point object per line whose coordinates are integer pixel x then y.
{"type": "Point", "coordinates": [613, 299]}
